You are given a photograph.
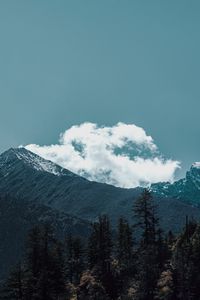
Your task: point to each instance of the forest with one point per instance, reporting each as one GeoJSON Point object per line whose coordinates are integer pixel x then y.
{"type": "Point", "coordinates": [135, 261]}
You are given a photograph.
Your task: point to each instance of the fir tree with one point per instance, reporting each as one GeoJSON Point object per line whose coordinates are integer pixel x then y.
{"type": "Point", "coordinates": [124, 255]}
{"type": "Point", "coordinates": [33, 261]}
{"type": "Point", "coordinates": [74, 259]}
{"type": "Point", "coordinates": [100, 245]}
{"type": "Point", "coordinates": [146, 218]}
{"type": "Point", "coordinates": [13, 288]}
{"type": "Point", "coordinates": [99, 255]}
{"type": "Point", "coordinates": [124, 244]}
{"type": "Point", "coordinates": [51, 281]}
{"type": "Point", "coordinates": [165, 288]}
{"type": "Point", "coordinates": [147, 262]}
{"type": "Point", "coordinates": [91, 288]}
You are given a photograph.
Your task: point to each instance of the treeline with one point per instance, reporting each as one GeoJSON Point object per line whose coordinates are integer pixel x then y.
{"type": "Point", "coordinates": [137, 262]}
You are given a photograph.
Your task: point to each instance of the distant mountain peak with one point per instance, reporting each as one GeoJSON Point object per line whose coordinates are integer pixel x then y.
{"type": "Point", "coordinates": [196, 165]}
{"type": "Point", "coordinates": [187, 189]}
{"type": "Point", "coordinates": [14, 155]}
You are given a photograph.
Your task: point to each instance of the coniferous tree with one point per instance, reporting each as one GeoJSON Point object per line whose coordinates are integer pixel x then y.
{"type": "Point", "coordinates": [44, 283]}
{"type": "Point", "coordinates": [195, 264]}
{"type": "Point", "coordinates": [165, 268]}
{"type": "Point", "coordinates": [13, 288]}
{"type": "Point", "coordinates": [33, 261]}
{"type": "Point", "coordinates": [100, 245]}
{"type": "Point", "coordinates": [124, 244]}
{"type": "Point", "coordinates": [51, 281]}
{"type": "Point", "coordinates": [163, 251]}
{"type": "Point", "coordinates": [146, 217]}
{"type": "Point", "coordinates": [100, 255]}
{"type": "Point", "coordinates": [124, 254]}
{"type": "Point", "coordinates": [165, 288]}
{"type": "Point", "coordinates": [44, 265]}
{"type": "Point", "coordinates": [74, 259]}
{"type": "Point", "coordinates": [185, 261]}
{"type": "Point", "coordinates": [147, 263]}
{"type": "Point", "coordinates": [58, 271]}
{"type": "Point", "coordinates": [91, 288]}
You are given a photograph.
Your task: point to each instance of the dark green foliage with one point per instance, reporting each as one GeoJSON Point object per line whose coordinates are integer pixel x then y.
{"type": "Point", "coordinates": [13, 289]}
{"type": "Point", "coordinates": [124, 247]}
{"type": "Point", "coordinates": [125, 256]}
{"type": "Point", "coordinates": [153, 267]}
{"type": "Point", "coordinates": [165, 288]}
{"type": "Point", "coordinates": [46, 272]}
{"type": "Point", "coordinates": [146, 218]}
{"type": "Point", "coordinates": [99, 254]}
{"type": "Point", "coordinates": [91, 288]}
{"type": "Point", "coordinates": [186, 262]}
{"type": "Point", "coordinates": [100, 245]}
{"type": "Point", "coordinates": [74, 259]}
{"type": "Point", "coordinates": [42, 277]}
{"type": "Point", "coordinates": [150, 252]}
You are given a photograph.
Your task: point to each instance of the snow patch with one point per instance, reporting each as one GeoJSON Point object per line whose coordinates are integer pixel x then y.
{"type": "Point", "coordinates": [38, 163]}
{"type": "Point", "coordinates": [196, 165]}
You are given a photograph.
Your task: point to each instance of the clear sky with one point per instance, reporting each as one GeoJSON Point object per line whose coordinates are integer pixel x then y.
{"type": "Point", "coordinates": [66, 62]}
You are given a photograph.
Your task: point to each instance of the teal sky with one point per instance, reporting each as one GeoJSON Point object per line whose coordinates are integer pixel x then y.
{"type": "Point", "coordinates": [67, 62]}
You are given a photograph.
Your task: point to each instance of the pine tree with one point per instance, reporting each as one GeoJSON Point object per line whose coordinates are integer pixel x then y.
{"type": "Point", "coordinates": [74, 259]}
{"type": "Point", "coordinates": [124, 244]}
{"type": "Point", "coordinates": [58, 271]}
{"type": "Point", "coordinates": [91, 288]}
{"type": "Point", "coordinates": [186, 262]}
{"type": "Point", "coordinates": [165, 287]}
{"type": "Point", "coordinates": [147, 263]}
{"type": "Point", "coordinates": [100, 255]}
{"type": "Point", "coordinates": [124, 255]}
{"type": "Point", "coordinates": [13, 288]}
{"type": "Point", "coordinates": [145, 215]}
{"type": "Point", "coordinates": [33, 261]}
{"type": "Point", "coordinates": [100, 245]}
{"type": "Point", "coordinates": [51, 281]}
{"type": "Point", "coordinates": [163, 251]}
{"type": "Point", "coordinates": [195, 264]}
{"type": "Point", "coordinates": [44, 276]}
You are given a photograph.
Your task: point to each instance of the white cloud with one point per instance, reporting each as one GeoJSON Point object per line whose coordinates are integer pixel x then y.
{"type": "Point", "coordinates": [122, 155]}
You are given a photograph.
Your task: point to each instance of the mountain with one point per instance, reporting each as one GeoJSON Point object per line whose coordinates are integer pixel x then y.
{"type": "Point", "coordinates": [34, 190]}
{"type": "Point", "coordinates": [27, 176]}
{"type": "Point", "coordinates": [186, 189]}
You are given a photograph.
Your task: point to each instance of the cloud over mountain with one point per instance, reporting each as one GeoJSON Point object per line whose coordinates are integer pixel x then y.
{"type": "Point", "coordinates": [122, 155]}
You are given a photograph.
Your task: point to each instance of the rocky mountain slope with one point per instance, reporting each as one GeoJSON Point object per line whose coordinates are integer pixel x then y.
{"type": "Point", "coordinates": [186, 189]}
{"type": "Point", "coordinates": [31, 178]}
{"type": "Point", "coordinates": [27, 176]}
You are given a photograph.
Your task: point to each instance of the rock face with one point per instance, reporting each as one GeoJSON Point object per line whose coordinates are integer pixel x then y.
{"type": "Point", "coordinates": [187, 189]}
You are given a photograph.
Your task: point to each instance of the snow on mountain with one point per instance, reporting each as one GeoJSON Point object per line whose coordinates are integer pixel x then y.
{"type": "Point", "coordinates": [37, 162]}
{"type": "Point", "coordinates": [9, 159]}
{"type": "Point", "coordinates": [186, 189]}
{"type": "Point", "coordinates": [196, 165]}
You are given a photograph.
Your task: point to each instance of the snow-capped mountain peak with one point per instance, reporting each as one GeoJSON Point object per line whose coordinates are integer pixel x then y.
{"type": "Point", "coordinates": [187, 189]}
{"type": "Point", "coordinates": [37, 162]}
{"type": "Point", "coordinates": [196, 165]}
{"type": "Point", "coordinates": [15, 155]}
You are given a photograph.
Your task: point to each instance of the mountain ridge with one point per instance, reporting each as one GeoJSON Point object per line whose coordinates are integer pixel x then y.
{"type": "Point", "coordinates": [68, 192]}
{"type": "Point", "coordinates": [186, 189]}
